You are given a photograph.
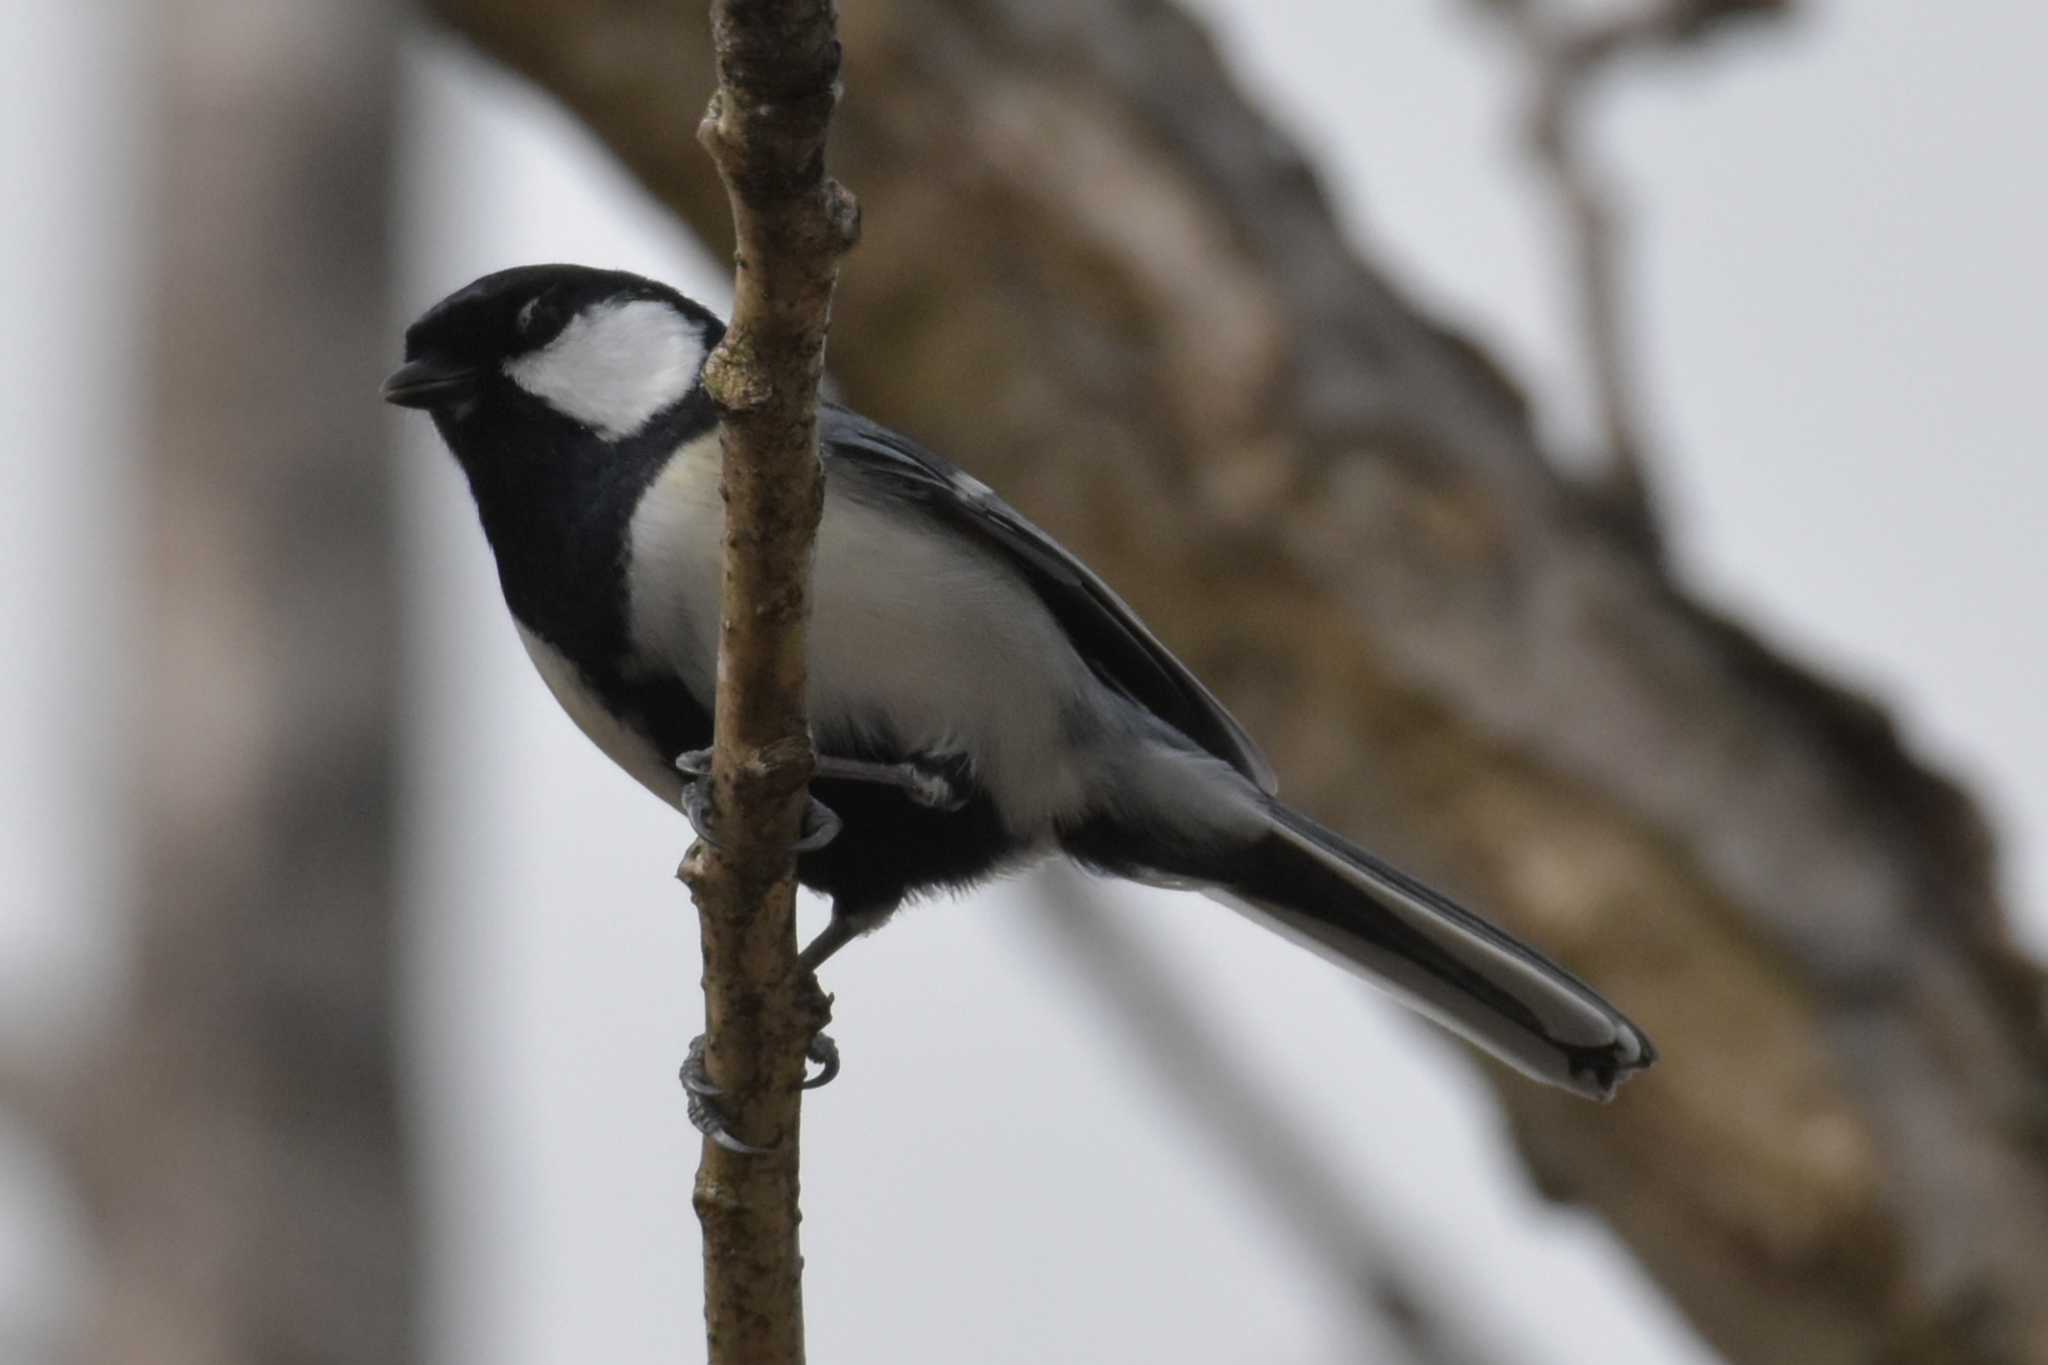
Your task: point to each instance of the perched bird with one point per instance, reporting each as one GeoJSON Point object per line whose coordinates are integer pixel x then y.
{"type": "Point", "coordinates": [978, 697]}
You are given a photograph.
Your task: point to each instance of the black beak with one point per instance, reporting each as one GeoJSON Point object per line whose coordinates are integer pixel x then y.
{"type": "Point", "coordinates": [428, 382]}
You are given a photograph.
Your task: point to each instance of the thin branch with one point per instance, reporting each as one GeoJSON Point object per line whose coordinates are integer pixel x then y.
{"type": "Point", "coordinates": [1567, 56]}
{"type": "Point", "coordinates": [1250, 1127]}
{"type": "Point", "coordinates": [778, 69]}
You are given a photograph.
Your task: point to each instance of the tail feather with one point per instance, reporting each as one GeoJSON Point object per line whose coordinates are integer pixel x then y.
{"type": "Point", "coordinates": [1438, 957]}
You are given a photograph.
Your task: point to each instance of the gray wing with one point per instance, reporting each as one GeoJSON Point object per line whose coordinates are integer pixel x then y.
{"type": "Point", "coordinates": [1108, 634]}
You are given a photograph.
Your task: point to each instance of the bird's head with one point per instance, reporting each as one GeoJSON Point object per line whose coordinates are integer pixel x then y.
{"type": "Point", "coordinates": [603, 349]}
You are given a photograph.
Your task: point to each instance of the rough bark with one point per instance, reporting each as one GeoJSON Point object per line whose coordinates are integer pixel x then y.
{"type": "Point", "coordinates": [240, 1143]}
{"type": "Point", "coordinates": [1097, 277]}
{"type": "Point", "coordinates": [778, 80]}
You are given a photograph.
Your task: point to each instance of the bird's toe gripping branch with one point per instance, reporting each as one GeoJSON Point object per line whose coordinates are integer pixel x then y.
{"type": "Point", "coordinates": [821, 823]}
{"type": "Point", "coordinates": [928, 784]}
{"type": "Point", "coordinates": [708, 1116]}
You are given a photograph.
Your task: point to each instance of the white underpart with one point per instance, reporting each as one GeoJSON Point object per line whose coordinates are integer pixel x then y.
{"type": "Point", "coordinates": [623, 746]}
{"type": "Point", "coordinates": [910, 631]}
{"type": "Point", "coordinates": [615, 365]}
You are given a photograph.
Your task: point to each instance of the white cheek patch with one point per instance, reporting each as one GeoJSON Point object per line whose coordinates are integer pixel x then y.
{"type": "Point", "coordinates": [615, 366]}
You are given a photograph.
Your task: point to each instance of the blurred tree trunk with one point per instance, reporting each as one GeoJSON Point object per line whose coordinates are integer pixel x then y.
{"type": "Point", "coordinates": [1096, 276]}
{"type": "Point", "coordinates": [242, 1150]}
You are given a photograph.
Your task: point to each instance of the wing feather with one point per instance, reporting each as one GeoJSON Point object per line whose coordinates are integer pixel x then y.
{"type": "Point", "coordinates": [1116, 644]}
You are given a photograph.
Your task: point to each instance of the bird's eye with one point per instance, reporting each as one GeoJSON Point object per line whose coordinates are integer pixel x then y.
{"type": "Point", "coordinates": [537, 316]}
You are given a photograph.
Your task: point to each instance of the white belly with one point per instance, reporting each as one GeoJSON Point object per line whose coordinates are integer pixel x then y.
{"type": "Point", "coordinates": [912, 634]}
{"type": "Point", "coordinates": [651, 770]}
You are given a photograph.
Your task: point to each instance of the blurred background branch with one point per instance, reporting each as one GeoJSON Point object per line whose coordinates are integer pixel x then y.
{"type": "Point", "coordinates": [1567, 50]}
{"type": "Point", "coordinates": [242, 1154]}
{"type": "Point", "coordinates": [1149, 331]}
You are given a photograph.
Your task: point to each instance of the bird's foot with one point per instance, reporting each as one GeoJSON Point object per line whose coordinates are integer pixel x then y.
{"type": "Point", "coordinates": [708, 1116]}
{"type": "Point", "coordinates": [821, 822]}
{"type": "Point", "coordinates": [846, 925]}
{"type": "Point", "coordinates": [927, 782]}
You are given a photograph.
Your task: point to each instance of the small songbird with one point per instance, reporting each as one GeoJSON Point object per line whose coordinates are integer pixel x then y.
{"type": "Point", "coordinates": [978, 697]}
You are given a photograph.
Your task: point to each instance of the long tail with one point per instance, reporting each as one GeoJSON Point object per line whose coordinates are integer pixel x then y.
{"type": "Point", "coordinates": [1438, 957]}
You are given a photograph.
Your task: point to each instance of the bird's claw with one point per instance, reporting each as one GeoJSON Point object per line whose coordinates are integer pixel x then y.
{"type": "Point", "coordinates": [825, 1053]}
{"type": "Point", "coordinates": [821, 827]}
{"type": "Point", "coordinates": [708, 1117]}
{"type": "Point", "coordinates": [821, 823]}
{"type": "Point", "coordinates": [697, 810]}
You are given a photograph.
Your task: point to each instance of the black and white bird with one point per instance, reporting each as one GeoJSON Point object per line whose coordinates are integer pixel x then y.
{"type": "Point", "coordinates": [978, 697]}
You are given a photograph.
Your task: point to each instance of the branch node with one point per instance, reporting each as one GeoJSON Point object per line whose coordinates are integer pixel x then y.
{"type": "Point", "coordinates": [842, 216]}
{"type": "Point", "coordinates": [734, 377]}
{"type": "Point", "coordinates": [691, 868]}
{"type": "Point", "coordinates": [711, 131]}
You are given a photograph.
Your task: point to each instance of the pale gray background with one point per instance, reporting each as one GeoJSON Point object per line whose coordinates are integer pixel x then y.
{"type": "Point", "coordinates": [1839, 299]}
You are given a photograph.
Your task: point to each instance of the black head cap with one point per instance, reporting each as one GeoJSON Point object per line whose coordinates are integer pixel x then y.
{"type": "Point", "coordinates": [465, 338]}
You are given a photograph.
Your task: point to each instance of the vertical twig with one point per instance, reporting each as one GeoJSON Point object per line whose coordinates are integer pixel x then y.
{"type": "Point", "coordinates": [1567, 53]}
{"type": "Point", "coordinates": [778, 69]}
